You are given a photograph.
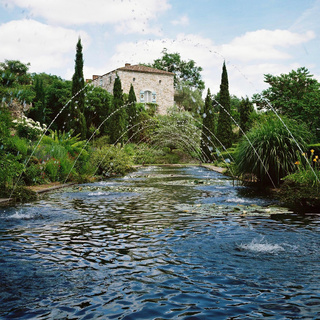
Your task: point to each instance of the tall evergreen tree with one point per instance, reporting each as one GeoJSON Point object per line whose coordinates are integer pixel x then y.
{"type": "Point", "coordinates": [208, 127]}
{"type": "Point", "coordinates": [77, 121]}
{"type": "Point", "coordinates": [118, 120]}
{"type": "Point", "coordinates": [38, 110]}
{"type": "Point", "coordinates": [132, 112]}
{"type": "Point", "coordinates": [224, 130]}
{"type": "Point", "coordinates": [245, 110]}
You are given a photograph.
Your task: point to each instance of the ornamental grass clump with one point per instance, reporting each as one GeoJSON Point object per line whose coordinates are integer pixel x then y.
{"type": "Point", "coordinates": [272, 152]}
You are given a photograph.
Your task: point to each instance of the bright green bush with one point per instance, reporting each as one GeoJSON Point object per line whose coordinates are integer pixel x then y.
{"type": "Point", "coordinates": [111, 160]}
{"type": "Point", "coordinates": [276, 148]}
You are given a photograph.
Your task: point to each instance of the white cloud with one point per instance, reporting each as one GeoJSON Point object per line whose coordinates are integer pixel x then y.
{"type": "Point", "coordinates": [182, 21]}
{"type": "Point", "coordinates": [264, 45]}
{"type": "Point", "coordinates": [129, 16]}
{"type": "Point", "coordinates": [248, 57]}
{"type": "Point", "coordinates": [45, 47]}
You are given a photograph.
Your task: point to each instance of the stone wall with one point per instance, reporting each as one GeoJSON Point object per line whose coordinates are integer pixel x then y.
{"type": "Point", "coordinates": [148, 87]}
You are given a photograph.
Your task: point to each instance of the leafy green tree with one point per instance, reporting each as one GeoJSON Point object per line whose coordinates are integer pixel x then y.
{"type": "Point", "coordinates": [296, 95]}
{"type": "Point", "coordinates": [58, 94]}
{"type": "Point", "coordinates": [98, 107]}
{"type": "Point", "coordinates": [185, 72]}
{"type": "Point", "coordinates": [224, 130]}
{"type": "Point", "coordinates": [245, 110]}
{"type": "Point", "coordinates": [188, 99]}
{"type": "Point", "coordinates": [208, 127]}
{"type": "Point", "coordinates": [78, 122]}
{"type": "Point", "coordinates": [14, 72]}
{"type": "Point", "coordinates": [15, 83]}
{"type": "Point", "coordinates": [38, 110]}
{"type": "Point", "coordinates": [118, 120]}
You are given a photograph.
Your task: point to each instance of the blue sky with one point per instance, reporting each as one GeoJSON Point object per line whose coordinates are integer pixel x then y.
{"type": "Point", "coordinates": [253, 37]}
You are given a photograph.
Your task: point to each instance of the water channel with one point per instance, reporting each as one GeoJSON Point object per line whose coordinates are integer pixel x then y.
{"type": "Point", "coordinates": [159, 243]}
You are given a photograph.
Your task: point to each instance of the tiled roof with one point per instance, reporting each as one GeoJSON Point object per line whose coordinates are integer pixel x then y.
{"type": "Point", "coordinates": [142, 68]}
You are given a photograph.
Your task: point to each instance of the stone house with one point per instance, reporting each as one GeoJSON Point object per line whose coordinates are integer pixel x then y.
{"type": "Point", "coordinates": [150, 85]}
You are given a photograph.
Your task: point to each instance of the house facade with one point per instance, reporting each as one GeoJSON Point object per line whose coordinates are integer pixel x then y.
{"type": "Point", "coordinates": [150, 85]}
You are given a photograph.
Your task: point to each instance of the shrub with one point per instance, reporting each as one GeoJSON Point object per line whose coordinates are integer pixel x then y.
{"type": "Point", "coordinates": [276, 148]}
{"type": "Point", "coordinates": [28, 128]}
{"type": "Point", "coordinates": [34, 174]}
{"type": "Point", "coordinates": [301, 190]}
{"type": "Point", "coordinates": [111, 160]}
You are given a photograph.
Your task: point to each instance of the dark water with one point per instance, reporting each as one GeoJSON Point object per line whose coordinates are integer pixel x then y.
{"type": "Point", "coordinates": [162, 243]}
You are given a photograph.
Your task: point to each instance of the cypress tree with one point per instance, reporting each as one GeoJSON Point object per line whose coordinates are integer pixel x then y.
{"type": "Point", "coordinates": [245, 110]}
{"type": "Point", "coordinates": [132, 112]}
{"type": "Point", "coordinates": [77, 121]}
{"type": "Point", "coordinates": [224, 130]}
{"type": "Point", "coordinates": [208, 127]}
{"type": "Point", "coordinates": [38, 110]}
{"type": "Point", "coordinates": [119, 118]}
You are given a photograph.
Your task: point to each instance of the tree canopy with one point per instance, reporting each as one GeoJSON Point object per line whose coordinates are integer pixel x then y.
{"type": "Point", "coordinates": [296, 95]}
{"type": "Point", "coordinates": [185, 72]}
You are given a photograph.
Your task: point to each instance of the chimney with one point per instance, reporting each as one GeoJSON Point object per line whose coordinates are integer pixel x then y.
{"type": "Point", "coordinates": [94, 77]}
{"type": "Point", "coordinates": [127, 64]}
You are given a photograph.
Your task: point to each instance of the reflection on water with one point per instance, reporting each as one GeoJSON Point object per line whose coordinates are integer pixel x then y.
{"type": "Point", "coordinates": [161, 243]}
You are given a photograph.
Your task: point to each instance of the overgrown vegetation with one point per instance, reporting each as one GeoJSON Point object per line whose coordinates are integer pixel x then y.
{"type": "Point", "coordinates": [48, 136]}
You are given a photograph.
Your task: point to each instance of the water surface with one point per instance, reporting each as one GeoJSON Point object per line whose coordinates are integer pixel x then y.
{"type": "Point", "coordinates": [160, 243]}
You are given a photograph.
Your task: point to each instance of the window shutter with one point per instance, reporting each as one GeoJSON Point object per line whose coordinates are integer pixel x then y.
{"type": "Point", "coordinates": [141, 96]}
{"type": "Point", "coordinates": [154, 97]}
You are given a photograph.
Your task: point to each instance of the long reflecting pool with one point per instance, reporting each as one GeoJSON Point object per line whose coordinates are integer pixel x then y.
{"type": "Point", "coordinates": [160, 243]}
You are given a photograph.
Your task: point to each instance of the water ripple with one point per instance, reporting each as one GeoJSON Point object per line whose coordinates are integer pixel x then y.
{"type": "Point", "coordinates": [97, 253]}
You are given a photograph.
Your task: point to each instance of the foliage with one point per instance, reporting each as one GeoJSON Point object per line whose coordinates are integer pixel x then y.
{"type": "Point", "coordinates": [296, 95]}
{"type": "Point", "coordinates": [272, 152]}
{"type": "Point", "coordinates": [185, 72]}
{"type": "Point", "coordinates": [57, 93]}
{"type": "Point", "coordinates": [111, 159]}
{"type": "Point", "coordinates": [177, 130]}
{"type": "Point", "coordinates": [208, 127]}
{"type": "Point", "coordinates": [224, 129]}
{"type": "Point", "coordinates": [10, 166]}
{"type": "Point", "coordinates": [20, 193]}
{"type": "Point", "coordinates": [14, 72]}
{"type": "Point", "coordinates": [301, 190]}
{"type": "Point", "coordinates": [153, 154]}
{"type": "Point", "coordinates": [245, 110]}
{"type": "Point", "coordinates": [38, 111]}
{"type": "Point", "coordinates": [15, 83]}
{"type": "Point", "coordinates": [133, 114]}
{"type": "Point", "coordinates": [28, 128]}
{"type": "Point", "coordinates": [188, 99]}
{"type": "Point", "coordinates": [55, 157]}
{"type": "Point", "coordinates": [77, 104]}
{"type": "Point", "coordinates": [118, 120]}
{"type": "Point", "coordinates": [97, 109]}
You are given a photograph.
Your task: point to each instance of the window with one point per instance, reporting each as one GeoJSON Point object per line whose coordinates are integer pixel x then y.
{"type": "Point", "coordinates": [101, 82]}
{"type": "Point", "coordinates": [134, 79]}
{"type": "Point", "coordinates": [147, 96]}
